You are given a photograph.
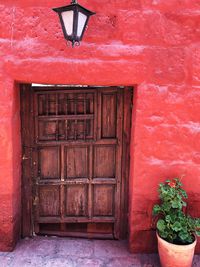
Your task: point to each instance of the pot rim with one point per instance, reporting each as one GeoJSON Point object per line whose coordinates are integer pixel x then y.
{"type": "Point", "coordinates": [176, 245]}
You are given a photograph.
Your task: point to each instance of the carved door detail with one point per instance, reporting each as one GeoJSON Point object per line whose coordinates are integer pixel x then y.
{"type": "Point", "coordinates": [76, 161]}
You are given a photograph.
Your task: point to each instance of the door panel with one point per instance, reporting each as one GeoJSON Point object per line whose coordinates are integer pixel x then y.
{"type": "Point", "coordinates": [108, 115]}
{"type": "Point", "coordinates": [103, 200]}
{"type": "Point", "coordinates": [48, 162]}
{"type": "Point", "coordinates": [76, 165]}
{"type": "Point", "coordinates": [104, 161]}
{"type": "Point", "coordinates": [76, 200]}
{"type": "Point", "coordinates": [76, 162]}
{"type": "Point", "coordinates": [49, 200]}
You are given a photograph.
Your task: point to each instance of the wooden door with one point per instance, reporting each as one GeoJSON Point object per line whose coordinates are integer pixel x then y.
{"type": "Point", "coordinates": [74, 155]}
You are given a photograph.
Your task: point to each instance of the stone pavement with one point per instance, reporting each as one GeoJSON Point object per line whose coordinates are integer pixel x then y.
{"type": "Point", "coordinates": [71, 252]}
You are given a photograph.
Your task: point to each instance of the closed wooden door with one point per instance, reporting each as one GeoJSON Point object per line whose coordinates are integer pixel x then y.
{"type": "Point", "coordinates": [74, 139]}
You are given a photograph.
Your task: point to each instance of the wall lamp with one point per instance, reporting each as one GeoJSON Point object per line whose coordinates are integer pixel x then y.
{"type": "Point", "coordinates": [74, 19]}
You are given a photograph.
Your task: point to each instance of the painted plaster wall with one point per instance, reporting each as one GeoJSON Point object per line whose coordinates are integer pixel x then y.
{"type": "Point", "coordinates": [154, 44]}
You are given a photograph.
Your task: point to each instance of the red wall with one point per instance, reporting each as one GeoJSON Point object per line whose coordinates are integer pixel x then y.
{"type": "Point", "coordinates": [153, 44]}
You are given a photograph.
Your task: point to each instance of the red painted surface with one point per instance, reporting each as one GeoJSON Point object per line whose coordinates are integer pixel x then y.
{"type": "Point", "coordinates": [153, 44]}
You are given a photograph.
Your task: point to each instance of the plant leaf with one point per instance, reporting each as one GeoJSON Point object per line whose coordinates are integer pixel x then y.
{"type": "Point", "coordinates": [198, 233]}
{"type": "Point", "coordinates": [156, 209]}
{"type": "Point", "coordinates": [176, 226]}
{"type": "Point", "coordinates": [161, 225]}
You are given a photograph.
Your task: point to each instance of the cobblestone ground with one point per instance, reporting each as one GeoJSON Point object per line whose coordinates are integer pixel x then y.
{"type": "Point", "coordinates": [71, 252]}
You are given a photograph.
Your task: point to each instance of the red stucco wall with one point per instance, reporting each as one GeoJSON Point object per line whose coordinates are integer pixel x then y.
{"type": "Point", "coordinates": [154, 44]}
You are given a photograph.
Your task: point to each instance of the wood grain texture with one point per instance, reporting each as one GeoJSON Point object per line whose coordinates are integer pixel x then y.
{"type": "Point", "coordinates": [78, 150]}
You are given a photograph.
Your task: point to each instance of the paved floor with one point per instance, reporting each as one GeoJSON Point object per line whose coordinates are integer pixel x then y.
{"type": "Point", "coordinates": [71, 252]}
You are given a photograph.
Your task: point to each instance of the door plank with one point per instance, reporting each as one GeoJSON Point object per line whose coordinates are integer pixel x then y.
{"type": "Point", "coordinates": [27, 145]}
{"type": "Point", "coordinates": [90, 186]}
{"type": "Point", "coordinates": [128, 103]}
{"type": "Point", "coordinates": [119, 122]}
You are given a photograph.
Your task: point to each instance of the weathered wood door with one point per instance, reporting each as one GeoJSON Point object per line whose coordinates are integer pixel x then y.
{"type": "Point", "coordinates": [74, 154]}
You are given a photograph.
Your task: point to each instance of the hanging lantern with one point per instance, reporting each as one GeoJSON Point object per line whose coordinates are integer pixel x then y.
{"type": "Point", "coordinates": [74, 19]}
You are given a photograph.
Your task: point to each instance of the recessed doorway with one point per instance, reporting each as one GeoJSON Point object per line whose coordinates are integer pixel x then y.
{"type": "Point", "coordinates": [75, 160]}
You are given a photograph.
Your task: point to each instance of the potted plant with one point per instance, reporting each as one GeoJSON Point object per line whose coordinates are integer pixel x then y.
{"type": "Point", "coordinates": [176, 230]}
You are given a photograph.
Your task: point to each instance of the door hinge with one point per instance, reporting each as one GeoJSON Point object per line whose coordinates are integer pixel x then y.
{"type": "Point", "coordinates": [35, 201]}
{"type": "Point", "coordinates": [24, 157]}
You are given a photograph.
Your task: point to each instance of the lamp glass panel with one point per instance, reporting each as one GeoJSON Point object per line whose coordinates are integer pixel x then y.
{"type": "Point", "coordinates": [68, 19]}
{"type": "Point", "coordinates": [81, 23]}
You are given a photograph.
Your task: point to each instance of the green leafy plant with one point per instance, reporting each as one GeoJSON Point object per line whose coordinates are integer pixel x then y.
{"type": "Point", "coordinates": [174, 225]}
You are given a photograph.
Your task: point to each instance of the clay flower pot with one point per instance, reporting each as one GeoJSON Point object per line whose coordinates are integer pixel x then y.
{"type": "Point", "coordinates": [172, 255]}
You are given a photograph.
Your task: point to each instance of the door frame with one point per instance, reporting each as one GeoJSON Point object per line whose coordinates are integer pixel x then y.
{"type": "Point", "coordinates": [26, 97]}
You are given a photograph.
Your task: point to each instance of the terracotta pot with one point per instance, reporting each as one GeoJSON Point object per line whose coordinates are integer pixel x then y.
{"type": "Point", "coordinates": [175, 255]}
